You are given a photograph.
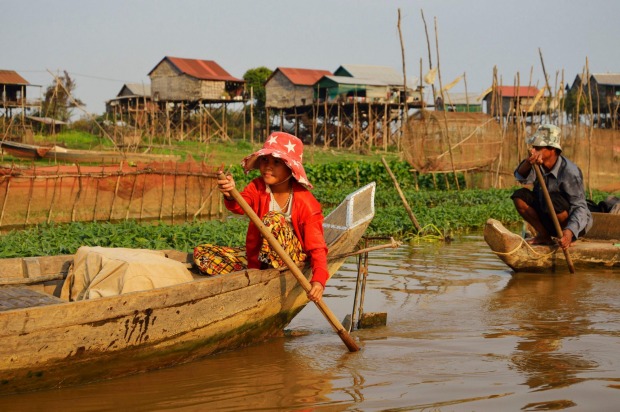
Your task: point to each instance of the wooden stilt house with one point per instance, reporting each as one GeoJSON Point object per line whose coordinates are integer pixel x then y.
{"type": "Point", "coordinates": [176, 79]}
{"type": "Point", "coordinates": [288, 88]}
{"type": "Point", "coordinates": [505, 100]}
{"type": "Point", "coordinates": [604, 90]}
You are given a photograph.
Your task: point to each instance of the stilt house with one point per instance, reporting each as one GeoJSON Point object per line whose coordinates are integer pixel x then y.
{"type": "Point", "coordinates": [288, 88]}
{"type": "Point", "coordinates": [604, 89]}
{"type": "Point", "coordinates": [176, 79]}
{"type": "Point", "coordinates": [12, 90]}
{"type": "Point", "coordinates": [504, 100]}
{"type": "Point", "coordinates": [132, 97]}
{"type": "Point", "coordinates": [366, 84]}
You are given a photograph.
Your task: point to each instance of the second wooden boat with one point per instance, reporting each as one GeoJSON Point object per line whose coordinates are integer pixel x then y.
{"type": "Point", "coordinates": [599, 248]}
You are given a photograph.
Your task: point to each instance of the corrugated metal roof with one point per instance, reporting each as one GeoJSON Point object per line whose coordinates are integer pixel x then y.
{"type": "Point", "coordinates": [200, 69]}
{"type": "Point", "coordinates": [46, 120]}
{"type": "Point", "coordinates": [513, 91]}
{"type": "Point", "coordinates": [302, 77]}
{"type": "Point", "coordinates": [383, 73]}
{"type": "Point", "coordinates": [463, 98]}
{"type": "Point", "coordinates": [355, 80]}
{"type": "Point", "coordinates": [136, 89]}
{"type": "Point", "coordinates": [11, 77]}
{"type": "Point", "coordinates": [608, 79]}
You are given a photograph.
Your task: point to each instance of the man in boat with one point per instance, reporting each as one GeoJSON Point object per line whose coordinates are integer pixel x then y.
{"type": "Point", "coordinates": [564, 182]}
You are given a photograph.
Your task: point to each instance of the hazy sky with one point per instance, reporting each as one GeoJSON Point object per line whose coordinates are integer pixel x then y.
{"type": "Point", "coordinates": [104, 44]}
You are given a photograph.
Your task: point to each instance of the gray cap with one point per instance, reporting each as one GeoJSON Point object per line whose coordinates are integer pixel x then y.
{"type": "Point", "coordinates": [546, 135]}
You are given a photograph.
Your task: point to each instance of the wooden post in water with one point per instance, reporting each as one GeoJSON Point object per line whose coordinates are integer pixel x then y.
{"type": "Point", "coordinates": [402, 196]}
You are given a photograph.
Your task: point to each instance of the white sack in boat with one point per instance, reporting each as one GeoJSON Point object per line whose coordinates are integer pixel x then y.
{"type": "Point", "coordinates": [98, 272]}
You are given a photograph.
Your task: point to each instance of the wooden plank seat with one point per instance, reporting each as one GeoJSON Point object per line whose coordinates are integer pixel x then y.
{"type": "Point", "coordinates": [17, 298]}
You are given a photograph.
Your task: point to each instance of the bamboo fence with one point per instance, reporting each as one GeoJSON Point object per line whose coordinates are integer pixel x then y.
{"type": "Point", "coordinates": [161, 191]}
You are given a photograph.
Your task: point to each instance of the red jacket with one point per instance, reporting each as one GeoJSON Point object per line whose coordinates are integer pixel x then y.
{"type": "Point", "coordinates": [306, 217]}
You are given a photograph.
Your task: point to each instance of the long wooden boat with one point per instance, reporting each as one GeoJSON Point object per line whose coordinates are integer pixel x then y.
{"type": "Point", "coordinates": [23, 150]}
{"type": "Point", "coordinates": [61, 154]}
{"type": "Point", "coordinates": [599, 248]}
{"type": "Point", "coordinates": [47, 342]}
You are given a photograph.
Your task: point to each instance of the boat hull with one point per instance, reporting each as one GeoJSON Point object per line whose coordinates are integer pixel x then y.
{"type": "Point", "coordinates": [50, 343]}
{"type": "Point", "coordinates": [77, 342]}
{"type": "Point", "coordinates": [522, 257]}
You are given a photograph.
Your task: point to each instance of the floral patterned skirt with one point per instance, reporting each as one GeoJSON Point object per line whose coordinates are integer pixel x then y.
{"type": "Point", "coordinates": [218, 260]}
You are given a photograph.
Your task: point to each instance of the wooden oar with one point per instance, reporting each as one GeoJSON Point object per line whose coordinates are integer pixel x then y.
{"type": "Point", "coordinates": [554, 217]}
{"type": "Point", "coordinates": [342, 332]}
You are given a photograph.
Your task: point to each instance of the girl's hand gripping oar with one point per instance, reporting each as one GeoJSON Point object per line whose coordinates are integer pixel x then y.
{"type": "Point", "coordinates": [556, 223]}
{"type": "Point", "coordinates": [344, 335]}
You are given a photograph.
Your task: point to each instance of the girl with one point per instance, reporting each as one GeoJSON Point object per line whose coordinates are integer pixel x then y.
{"type": "Point", "coordinates": [282, 199]}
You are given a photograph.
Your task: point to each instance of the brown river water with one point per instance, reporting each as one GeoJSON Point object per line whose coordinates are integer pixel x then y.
{"type": "Point", "coordinates": [463, 333]}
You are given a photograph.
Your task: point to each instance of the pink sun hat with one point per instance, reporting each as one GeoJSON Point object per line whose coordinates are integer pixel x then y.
{"type": "Point", "coordinates": [283, 146]}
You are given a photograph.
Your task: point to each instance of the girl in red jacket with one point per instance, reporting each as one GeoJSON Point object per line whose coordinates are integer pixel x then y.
{"type": "Point", "coordinates": [281, 198]}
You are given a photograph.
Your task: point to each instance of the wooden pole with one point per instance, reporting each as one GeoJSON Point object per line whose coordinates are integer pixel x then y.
{"type": "Point", "coordinates": [554, 217]}
{"type": "Point", "coordinates": [116, 186]}
{"type": "Point", "coordinates": [402, 196]}
{"type": "Point", "coordinates": [273, 242]}
{"type": "Point", "coordinates": [6, 194]}
{"type": "Point", "coordinates": [252, 115]}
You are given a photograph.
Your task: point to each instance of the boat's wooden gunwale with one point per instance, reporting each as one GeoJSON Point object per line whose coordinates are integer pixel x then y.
{"type": "Point", "coordinates": [598, 249]}
{"type": "Point", "coordinates": [66, 343]}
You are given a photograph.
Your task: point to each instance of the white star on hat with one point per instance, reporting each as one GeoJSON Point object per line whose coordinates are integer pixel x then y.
{"type": "Point", "coordinates": [290, 146]}
{"type": "Point", "coordinates": [272, 140]}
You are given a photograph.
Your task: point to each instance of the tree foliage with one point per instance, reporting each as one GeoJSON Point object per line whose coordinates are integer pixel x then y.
{"type": "Point", "coordinates": [255, 79]}
{"type": "Point", "coordinates": [59, 101]}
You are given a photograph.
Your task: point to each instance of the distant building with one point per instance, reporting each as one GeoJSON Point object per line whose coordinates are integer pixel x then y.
{"type": "Point", "coordinates": [176, 79]}
{"type": "Point", "coordinates": [345, 89]}
{"type": "Point", "coordinates": [369, 84]}
{"type": "Point", "coordinates": [287, 87]}
{"type": "Point", "coordinates": [132, 97]}
{"type": "Point", "coordinates": [504, 100]}
{"type": "Point", "coordinates": [13, 90]}
{"type": "Point", "coordinates": [460, 102]}
{"type": "Point", "coordinates": [604, 89]}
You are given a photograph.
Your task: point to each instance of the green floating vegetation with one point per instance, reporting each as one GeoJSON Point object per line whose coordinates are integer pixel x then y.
{"type": "Point", "coordinates": [439, 210]}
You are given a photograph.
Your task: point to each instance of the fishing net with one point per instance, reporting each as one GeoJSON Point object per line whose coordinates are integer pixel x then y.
{"type": "Point", "coordinates": [166, 191]}
{"type": "Point", "coordinates": [439, 141]}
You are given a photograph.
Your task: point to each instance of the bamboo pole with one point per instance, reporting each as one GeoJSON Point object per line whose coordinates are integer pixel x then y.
{"type": "Point", "coordinates": [133, 188]}
{"type": "Point", "coordinates": [445, 116]}
{"type": "Point", "coordinates": [252, 115]}
{"type": "Point", "coordinates": [142, 197]}
{"type": "Point", "coordinates": [97, 194]}
{"type": "Point", "coordinates": [30, 192]}
{"type": "Point", "coordinates": [78, 194]}
{"type": "Point", "coordinates": [405, 106]}
{"type": "Point", "coordinates": [590, 131]}
{"type": "Point", "coordinates": [161, 199]}
{"type": "Point", "coordinates": [174, 191]}
{"type": "Point", "coordinates": [49, 215]}
{"type": "Point", "coordinates": [402, 196]}
{"type": "Point", "coordinates": [79, 106]}
{"type": "Point", "coordinates": [6, 195]}
{"type": "Point", "coordinates": [430, 59]}
{"type": "Point", "coordinates": [186, 196]}
{"type": "Point", "coordinates": [116, 186]}
{"type": "Point", "coordinates": [385, 127]}
{"type": "Point", "coordinates": [554, 217]}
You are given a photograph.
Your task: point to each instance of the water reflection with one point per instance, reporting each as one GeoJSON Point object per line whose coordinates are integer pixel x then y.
{"type": "Point", "coordinates": [545, 313]}
{"type": "Point", "coordinates": [463, 333]}
{"type": "Point", "coordinates": [249, 379]}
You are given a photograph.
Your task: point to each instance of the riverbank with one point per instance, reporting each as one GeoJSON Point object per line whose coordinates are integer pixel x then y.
{"type": "Point", "coordinates": [440, 213]}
